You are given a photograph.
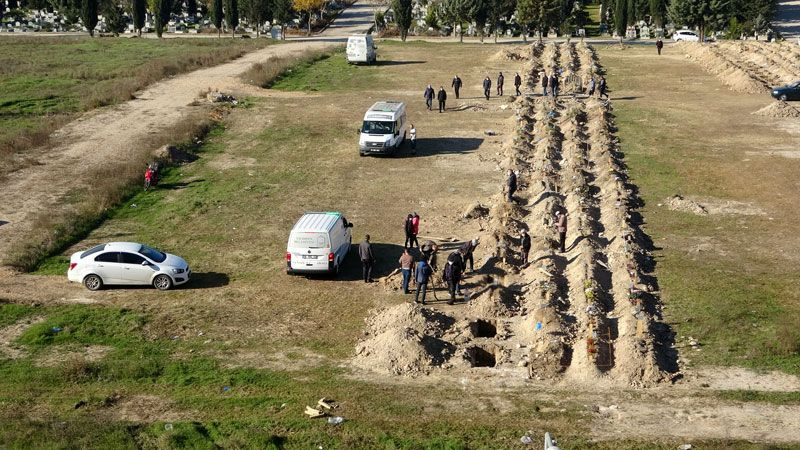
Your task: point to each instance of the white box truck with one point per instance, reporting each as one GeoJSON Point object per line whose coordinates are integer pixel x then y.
{"type": "Point", "coordinates": [318, 243]}
{"type": "Point", "coordinates": [383, 129]}
{"type": "Point", "coordinates": [361, 49]}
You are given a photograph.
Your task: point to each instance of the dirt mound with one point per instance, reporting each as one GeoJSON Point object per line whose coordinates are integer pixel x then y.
{"type": "Point", "coordinates": [706, 206]}
{"type": "Point", "coordinates": [172, 155]}
{"type": "Point", "coordinates": [779, 110]}
{"type": "Point", "coordinates": [679, 203]}
{"type": "Point", "coordinates": [512, 54]}
{"type": "Point", "coordinates": [475, 211]}
{"type": "Point", "coordinates": [404, 340]}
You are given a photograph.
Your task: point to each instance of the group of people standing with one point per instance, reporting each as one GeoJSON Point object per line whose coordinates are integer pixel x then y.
{"type": "Point", "coordinates": [551, 84]}
{"type": "Point", "coordinates": [441, 96]}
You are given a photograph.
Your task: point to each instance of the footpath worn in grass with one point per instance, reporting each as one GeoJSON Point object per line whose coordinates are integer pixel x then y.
{"type": "Point", "coordinates": [726, 280]}
{"type": "Point", "coordinates": [45, 81]}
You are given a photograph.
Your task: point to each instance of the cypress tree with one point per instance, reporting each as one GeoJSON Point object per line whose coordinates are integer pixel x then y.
{"type": "Point", "coordinates": [162, 12]}
{"type": "Point", "coordinates": [138, 11]}
{"type": "Point", "coordinates": [402, 16]}
{"type": "Point", "coordinates": [89, 15]}
{"type": "Point", "coordinates": [217, 15]}
{"type": "Point", "coordinates": [620, 19]}
{"type": "Point", "coordinates": [232, 15]}
{"type": "Point", "coordinates": [191, 8]}
{"type": "Point", "coordinates": [283, 13]}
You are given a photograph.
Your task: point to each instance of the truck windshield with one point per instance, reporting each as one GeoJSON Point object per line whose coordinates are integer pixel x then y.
{"type": "Point", "coordinates": [309, 240]}
{"type": "Point", "coordinates": [377, 127]}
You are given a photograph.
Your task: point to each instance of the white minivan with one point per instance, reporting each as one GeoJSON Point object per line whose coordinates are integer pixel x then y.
{"type": "Point", "coordinates": [384, 128]}
{"type": "Point", "coordinates": [361, 49]}
{"type": "Point", "coordinates": [318, 243]}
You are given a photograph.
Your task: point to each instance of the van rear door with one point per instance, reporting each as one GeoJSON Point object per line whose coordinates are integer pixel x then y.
{"type": "Point", "coordinates": [309, 250]}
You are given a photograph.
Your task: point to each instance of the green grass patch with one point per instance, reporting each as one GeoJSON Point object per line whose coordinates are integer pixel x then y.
{"type": "Point", "coordinates": [12, 312]}
{"type": "Point", "coordinates": [330, 72]}
{"type": "Point", "coordinates": [86, 326]}
{"type": "Point", "coordinates": [774, 398]}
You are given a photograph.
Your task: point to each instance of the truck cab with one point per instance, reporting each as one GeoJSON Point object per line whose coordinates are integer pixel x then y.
{"type": "Point", "coordinates": [383, 129]}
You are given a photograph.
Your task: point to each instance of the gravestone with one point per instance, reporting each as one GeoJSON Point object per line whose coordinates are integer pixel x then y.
{"type": "Point", "coordinates": [630, 33]}
{"type": "Point", "coordinates": [644, 32]}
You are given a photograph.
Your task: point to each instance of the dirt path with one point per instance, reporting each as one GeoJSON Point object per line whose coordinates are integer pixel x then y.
{"type": "Point", "coordinates": [115, 134]}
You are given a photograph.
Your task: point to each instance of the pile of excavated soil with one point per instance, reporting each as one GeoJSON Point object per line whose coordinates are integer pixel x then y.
{"type": "Point", "coordinates": [705, 206]}
{"type": "Point", "coordinates": [404, 340]}
{"type": "Point", "coordinates": [680, 203]}
{"type": "Point", "coordinates": [512, 54]}
{"type": "Point", "coordinates": [779, 110]}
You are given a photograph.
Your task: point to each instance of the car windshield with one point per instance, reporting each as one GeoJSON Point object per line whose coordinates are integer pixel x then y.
{"type": "Point", "coordinates": [93, 250]}
{"type": "Point", "coordinates": [301, 239]}
{"type": "Point", "coordinates": [795, 85]}
{"type": "Point", "coordinates": [377, 127]}
{"type": "Point", "coordinates": [153, 254]}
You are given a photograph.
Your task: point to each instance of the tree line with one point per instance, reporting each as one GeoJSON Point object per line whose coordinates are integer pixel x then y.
{"type": "Point", "coordinates": [563, 16]}
{"type": "Point", "coordinates": [222, 13]}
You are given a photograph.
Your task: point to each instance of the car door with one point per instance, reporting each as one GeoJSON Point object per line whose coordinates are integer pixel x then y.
{"type": "Point", "coordinates": [108, 267]}
{"type": "Point", "coordinates": [132, 270]}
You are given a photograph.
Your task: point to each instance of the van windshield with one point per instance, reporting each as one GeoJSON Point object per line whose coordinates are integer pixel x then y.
{"type": "Point", "coordinates": [377, 127]}
{"type": "Point", "coordinates": [308, 240]}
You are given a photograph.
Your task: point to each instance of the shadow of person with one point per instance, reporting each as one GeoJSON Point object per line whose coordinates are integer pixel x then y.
{"type": "Point", "coordinates": [386, 256]}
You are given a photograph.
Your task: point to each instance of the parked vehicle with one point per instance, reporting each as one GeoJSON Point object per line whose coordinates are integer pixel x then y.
{"type": "Point", "coordinates": [127, 263]}
{"type": "Point", "coordinates": [790, 92]}
{"type": "Point", "coordinates": [361, 49]}
{"type": "Point", "coordinates": [685, 35]}
{"type": "Point", "coordinates": [384, 128]}
{"type": "Point", "coordinates": [318, 243]}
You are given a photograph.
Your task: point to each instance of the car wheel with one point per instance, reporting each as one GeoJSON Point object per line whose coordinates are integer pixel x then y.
{"type": "Point", "coordinates": [162, 282]}
{"type": "Point", "coordinates": [783, 97]}
{"type": "Point", "coordinates": [93, 282]}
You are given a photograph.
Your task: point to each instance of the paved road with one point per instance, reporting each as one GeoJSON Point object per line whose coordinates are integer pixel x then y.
{"type": "Point", "coordinates": [787, 18]}
{"type": "Point", "coordinates": [112, 136]}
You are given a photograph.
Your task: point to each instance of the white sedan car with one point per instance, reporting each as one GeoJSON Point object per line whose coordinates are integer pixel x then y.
{"type": "Point", "coordinates": [127, 263]}
{"type": "Point", "coordinates": [685, 35]}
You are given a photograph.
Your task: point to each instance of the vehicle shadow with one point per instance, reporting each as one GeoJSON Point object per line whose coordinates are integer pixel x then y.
{"type": "Point", "coordinates": [386, 260]}
{"type": "Point", "coordinates": [441, 146]}
{"type": "Point", "coordinates": [397, 63]}
{"type": "Point", "coordinates": [207, 280]}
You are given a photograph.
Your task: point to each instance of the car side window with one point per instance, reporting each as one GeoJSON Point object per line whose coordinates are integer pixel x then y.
{"type": "Point", "coordinates": [108, 257]}
{"type": "Point", "coordinates": [130, 258]}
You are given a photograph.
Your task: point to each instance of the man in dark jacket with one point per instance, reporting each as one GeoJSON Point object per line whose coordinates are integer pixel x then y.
{"type": "Point", "coordinates": [442, 97]}
{"type": "Point", "coordinates": [429, 251]}
{"type": "Point", "coordinates": [544, 83]}
{"type": "Point", "coordinates": [487, 87]}
{"type": "Point", "coordinates": [422, 276]}
{"type": "Point", "coordinates": [467, 249]}
{"type": "Point", "coordinates": [429, 94]}
{"type": "Point", "coordinates": [367, 260]}
{"type": "Point", "coordinates": [511, 184]}
{"type": "Point", "coordinates": [500, 80]}
{"type": "Point", "coordinates": [517, 83]}
{"type": "Point", "coordinates": [526, 246]}
{"type": "Point", "coordinates": [456, 85]}
{"type": "Point", "coordinates": [659, 45]}
{"type": "Point", "coordinates": [554, 84]}
{"type": "Point", "coordinates": [408, 227]}
{"type": "Point", "coordinates": [561, 227]}
{"type": "Point", "coordinates": [603, 87]}
{"type": "Point", "coordinates": [452, 273]}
